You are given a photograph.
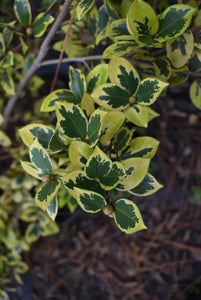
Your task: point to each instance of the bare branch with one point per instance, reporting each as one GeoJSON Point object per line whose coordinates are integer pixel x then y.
{"type": "Point", "coordinates": [42, 53]}
{"type": "Point", "coordinates": [71, 59]}
{"type": "Point", "coordinates": [63, 48]}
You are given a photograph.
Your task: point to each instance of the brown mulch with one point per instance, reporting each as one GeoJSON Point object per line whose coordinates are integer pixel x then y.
{"type": "Point", "coordinates": [91, 259]}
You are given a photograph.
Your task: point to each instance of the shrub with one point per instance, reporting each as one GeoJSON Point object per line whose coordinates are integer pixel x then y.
{"type": "Point", "coordinates": [128, 53]}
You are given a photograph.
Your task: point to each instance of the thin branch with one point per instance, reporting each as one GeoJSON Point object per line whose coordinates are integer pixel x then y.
{"type": "Point", "coordinates": [50, 7]}
{"type": "Point", "coordinates": [63, 48]}
{"type": "Point", "coordinates": [71, 59]}
{"type": "Point", "coordinates": [42, 53]}
{"type": "Point", "coordinates": [190, 73]}
{"type": "Point", "coordinates": [155, 5]}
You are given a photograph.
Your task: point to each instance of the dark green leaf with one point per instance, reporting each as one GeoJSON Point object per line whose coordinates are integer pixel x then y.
{"type": "Point", "coordinates": [103, 18]}
{"type": "Point", "coordinates": [22, 10]}
{"type": "Point", "coordinates": [41, 23]}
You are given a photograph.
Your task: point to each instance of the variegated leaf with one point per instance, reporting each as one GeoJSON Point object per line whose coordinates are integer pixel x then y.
{"type": "Point", "coordinates": [120, 48]}
{"type": "Point", "coordinates": [89, 201]}
{"type": "Point", "coordinates": [122, 72]}
{"type": "Point", "coordinates": [110, 10]}
{"type": "Point", "coordinates": [122, 139]}
{"type": "Point", "coordinates": [7, 83]}
{"type": "Point", "coordinates": [29, 212]}
{"type": "Point", "coordinates": [147, 41]}
{"type": "Point", "coordinates": [79, 152]}
{"type": "Point", "coordinates": [93, 21]}
{"type": "Point", "coordinates": [111, 96]}
{"type": "Point", "coordinates": [163, 67]}
{"type": "Point", "coordinates": [78, 179]}
{"type": "Point", "coordinates": [97, 76]}
{"type": "Point", "coordinates": [22, 10]}
{"type": "Point", "coordinates": [174, 20]}
{"type": "Point", "coordinates": [52, 208]}
{"type": "Point", "coordinates": [137, 114]}
{"type": "Point", "coordinates": [31, 169]}
{"type": "Point", "coordinates": [5, 141]}
{"type": "Point", "coordinates": [56, 143]}
{"type": "Point", "coordinates": [33, 232]}
{"type": "Point", "coordinates": [149, 90]}
{"type": "Point", "coordinates": [103, 18]}
{"type": "Point", "coordinates": [127, 216]}
{"type": "Point", "coordinates": [87, 105]}
{"type": "Point", "coordinates": [8, 61]}
{"type": "Point", "coordinates": [42, 132]}
{"type": "Point", "coordinates": [98, 164]}
{"type": "Point", "coordinates": [71, 121]}
{"type": "Point", "coordinates": [61, 95]}
{"type": "Point", "coordinates": [144, 146]}
{"type": "Point", "coordinates": [117, 30]}
{"type": "Point", "coordinates": [195, 93]}
{"type": "Point", "coordinates": [95, 126]}
{"type": "Point", "coordinates": [111, 124]}
{"type": "Point", "coordinates": [77, 82]}
{"type": "Point", "coordinates": [179, 50]}
{"type": "Point", "coordinates": [142, 19]}
{"type": "Point", "coordinates": [148, 186]}
{"type": "Point", "coordinates": [109, 181]}
{"type": "Point", "coordinates": [197, 40]}
{"type": "Point", "coordinates": [40, 158]}
{"type": "Point", "coordinates": [2, 44]}
{"type": "Point", "coordinates": [46, 193]}
{"type": "Point", "coordinates": [83, 7]}
{"type": "Point", "coordinates": [136, 168]}
{"type": "Point", "coordinates": [41, 22]}
{"type": "Point", "coordinates": [152, 114]}
{"type": "Point", "coordinates": [71, 202]}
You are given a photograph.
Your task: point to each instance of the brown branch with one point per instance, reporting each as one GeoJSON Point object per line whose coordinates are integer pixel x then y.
{"type": "Point", "coordinates": [42, 53]}
{"type": "Point", "coordinates": [63, 48]}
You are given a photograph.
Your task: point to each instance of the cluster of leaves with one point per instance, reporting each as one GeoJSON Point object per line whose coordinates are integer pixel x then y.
{"type": "Point", "coordinates": [21, 221]}
{"type": "Point", "coordinates": [92, 152]}
{"type": "Point", "coordinates": [93, 157]}
{"type": "Point", "coordinates": [17, 207]}
{"type": "Point", "coordinates": [138, 31]}
{"type": "Point", "coordinates": [175, 30]}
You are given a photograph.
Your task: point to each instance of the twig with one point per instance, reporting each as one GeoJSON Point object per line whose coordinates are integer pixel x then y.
{"type": "Point", "coordinates": [190, 73]}
{"type": "Point", "coordinates": [63, 48]}
{"type": "Point", "coordinates": [155, 5]}
{"type": "Point", "coordinates": [71, 59]}
{"type": "Point", "coordinates": [42, 53]}
{"type": "Point", "coordinates": [50, 7]}
{"type": "Point", "coordinates": [180, 245]}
